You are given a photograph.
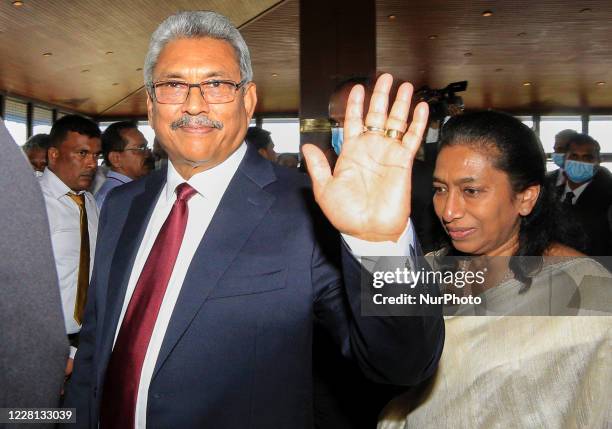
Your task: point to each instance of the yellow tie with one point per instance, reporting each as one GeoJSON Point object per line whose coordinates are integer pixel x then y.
{"type": "Point", "coordinates": [83, 279]}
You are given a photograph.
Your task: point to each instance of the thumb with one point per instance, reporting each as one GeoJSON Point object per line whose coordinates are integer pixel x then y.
{"type": "Point", "coordinates": [318, 167]}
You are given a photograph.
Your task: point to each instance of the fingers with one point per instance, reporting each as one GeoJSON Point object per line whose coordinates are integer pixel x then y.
{"type": "Point", "coordinates": [399, 112]}
{"type": "Point", "coordinates": [353, 118]}
{"type": "Point", "coordinates": [318, 167]}
{"type": "Point", "coordinates": [379, 103]}
{"type": "Point", "coordinates": [412, 138]}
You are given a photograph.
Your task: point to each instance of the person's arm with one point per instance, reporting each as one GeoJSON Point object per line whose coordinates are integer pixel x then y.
{"type": "Point", "coordinates": [33, 343]}
{"type": "Point", "coordinates": [400, 350]}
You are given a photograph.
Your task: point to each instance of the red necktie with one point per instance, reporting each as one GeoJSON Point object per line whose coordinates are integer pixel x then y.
{"type": "Point", "coordinates": [118, 408]}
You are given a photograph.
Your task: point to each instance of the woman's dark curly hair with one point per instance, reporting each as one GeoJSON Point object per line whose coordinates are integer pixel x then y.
{"type": "Point", "coordinates": [519, 154]}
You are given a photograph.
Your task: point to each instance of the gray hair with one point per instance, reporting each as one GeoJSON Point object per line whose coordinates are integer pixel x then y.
{"type": "Point", "coordinates": [194, 24]}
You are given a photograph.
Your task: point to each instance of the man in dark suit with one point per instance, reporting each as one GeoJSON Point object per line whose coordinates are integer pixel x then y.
{"type": "Point", "coordinates": [587, 193]}
{"type": "Point", "coordinates": [210, 274]}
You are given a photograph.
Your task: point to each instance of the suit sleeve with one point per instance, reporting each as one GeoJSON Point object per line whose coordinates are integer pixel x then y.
{"type": "Point", "coordinates": [401, 350]}
{"type": "Point", "coordinates": [33, 343]}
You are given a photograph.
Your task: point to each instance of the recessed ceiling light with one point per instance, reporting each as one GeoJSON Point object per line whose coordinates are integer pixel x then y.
{"type": "Point", "coordinates": [391, 17]}
{"type": "Point", "coordinates": [274, 74]}
{"type": "Point", "coordinates": [526, 83]}
{"type": "Point", "coordinates": [109, 52]}
{"type": "Point", "coordinates": [468, 54]}
{"type": "Point", "coordinates": [432, 37]}
{"type": "Point", "coordinates": [585, 10]}
{"type": "Point", "coordinates": [499, 69]}
{"type": "Point", "coordinates": [487, 13]}
{"type": "Point", "coordinates": [17, 3]}
{"type": "Point", "coordinates": [601, 83]}
{"type": "Point", "coordinates": [85, 71]}
{"type": "Point", "coordinates": [47, 54]}
{"type": "Point", "coordinates": [115, 84]}
{"type": "Point", "coordinates": [521, 34]}
{"type": "Point", "coordinates": [139, 69]}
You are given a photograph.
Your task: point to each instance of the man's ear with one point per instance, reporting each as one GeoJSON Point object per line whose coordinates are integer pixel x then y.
{"type": "Point", "coordinates": [250, 99]}
{"type": "Point", "coordinates": [149, 107]}
{"type": "Point", "coordinates": [52, 154]}
{"type": "Point", "coordinates": [115, 159]}
{"type": "Point", "coordinates": [527, 199]}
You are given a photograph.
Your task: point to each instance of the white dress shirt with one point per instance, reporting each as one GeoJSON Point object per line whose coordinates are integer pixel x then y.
{"type": "Point", "coordinates": [577, 192]}
{"type": "Point", "coordinates": [65, 224]}
{"type": "Point", "coordinates": [210, 186]}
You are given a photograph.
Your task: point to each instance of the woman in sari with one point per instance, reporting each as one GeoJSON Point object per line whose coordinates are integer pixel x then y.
{"type": "Point", "coordinates": [512, 367]}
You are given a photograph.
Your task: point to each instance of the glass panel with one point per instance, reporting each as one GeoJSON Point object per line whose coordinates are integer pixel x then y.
{"type": "Point", "coordinates": [147, 131]}
{"type": "Point", "coordinates": [105, 125]}
{"type": "Point", "coordinates": [43, 119]}
{"type": "Point", "coordinates": [551, 125]}
{"type": "Point", "coordinates": [527, 120]}
{"type": "Point", "coordinates": [285, 134]}
{"type": "Point", "coordinates": [15, 115]}
{"type": "Point", "coordinates": [600, 128]}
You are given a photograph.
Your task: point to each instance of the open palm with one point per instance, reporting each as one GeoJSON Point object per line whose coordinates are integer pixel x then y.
{"type": "Point", "coordinates": [368, 193]}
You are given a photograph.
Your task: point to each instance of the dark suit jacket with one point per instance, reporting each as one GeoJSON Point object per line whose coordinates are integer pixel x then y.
{"type": "Point", "coordinates": [590, 212]}
{"type": "Point", "coordinates": [238, 349]}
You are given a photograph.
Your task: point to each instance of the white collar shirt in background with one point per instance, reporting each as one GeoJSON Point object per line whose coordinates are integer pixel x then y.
{"type": "Point", "coordinates": [577, 192]}
{"type": "Point", "coordinates": [65, 225]}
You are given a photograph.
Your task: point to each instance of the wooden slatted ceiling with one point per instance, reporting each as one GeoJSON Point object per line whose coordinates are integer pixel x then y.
{"type": "Point", "coordinates": [562, 51]}
{"type": "Point", "coordinates": [78, 34]}
{"type": "Point", "coordinates": [273, 40]}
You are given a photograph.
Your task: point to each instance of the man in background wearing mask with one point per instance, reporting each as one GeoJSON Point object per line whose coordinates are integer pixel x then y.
{"type": "Point", "coordinates": [587, 193]}
{"type": "Point", "coordinates": [558, 156]}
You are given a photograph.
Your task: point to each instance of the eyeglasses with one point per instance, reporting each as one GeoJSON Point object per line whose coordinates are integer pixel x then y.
{"type": "Point", "coordinates": [213, 91]}
{"type": "Point", "coordinates": [141, 149]}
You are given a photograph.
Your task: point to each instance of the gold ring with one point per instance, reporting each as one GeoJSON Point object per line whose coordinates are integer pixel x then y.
{"type": "Point", "coordinates": [374, 130]}
{"type": "Point", "coordinates": [394, 134]}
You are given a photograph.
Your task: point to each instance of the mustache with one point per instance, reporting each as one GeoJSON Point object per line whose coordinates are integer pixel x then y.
{"type": "Point", "coordinates": [196, 121]}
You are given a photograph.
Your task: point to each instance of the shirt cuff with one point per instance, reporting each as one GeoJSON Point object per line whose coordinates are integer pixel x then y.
{"type": "Point", "coordinates": [402, 247]}
{"type": "Point", "coordinates": [73, 351]}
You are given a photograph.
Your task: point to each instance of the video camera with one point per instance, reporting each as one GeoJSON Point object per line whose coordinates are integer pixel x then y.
{"type": "Point", "coordinates": [439, 100]}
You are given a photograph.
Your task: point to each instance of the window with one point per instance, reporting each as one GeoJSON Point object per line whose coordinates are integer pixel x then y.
{"type": "Point", "coordinates": [147, 131]}
{"type": "Point", "coordinates": [551, 125]}
{"type": "Point", "coordinates": [15, 119]}
{"type": "Point", "coordinates": [600, 128]}
{"type": "Point", "coordinates": [43, 119]}
{"type": "Point", "coordinates": [527, 120]}
{"type": "Point", "coordinates": [104, 125]}
{"type": "Point", "coordinates": [285, 134]}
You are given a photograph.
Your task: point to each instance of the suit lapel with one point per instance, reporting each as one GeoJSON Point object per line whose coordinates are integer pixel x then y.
{"type": "Point", "coordinates": [123, 260]}
{"type": "Point", "coordinates": [242, 208]}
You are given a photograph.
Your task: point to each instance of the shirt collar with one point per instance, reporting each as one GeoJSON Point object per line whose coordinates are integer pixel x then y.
{"type": "Point", "coordinates": [211, 183]}
{"type": "Point", "coordinates": [576, 191]}
{"type": "Point", "coordinates": [54, 185]}
{"type": "Point", "coordinates": [121, 177]}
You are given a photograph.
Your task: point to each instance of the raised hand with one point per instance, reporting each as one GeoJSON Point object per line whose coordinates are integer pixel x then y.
{"type": "Point", "coordinates": [368, 193]}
